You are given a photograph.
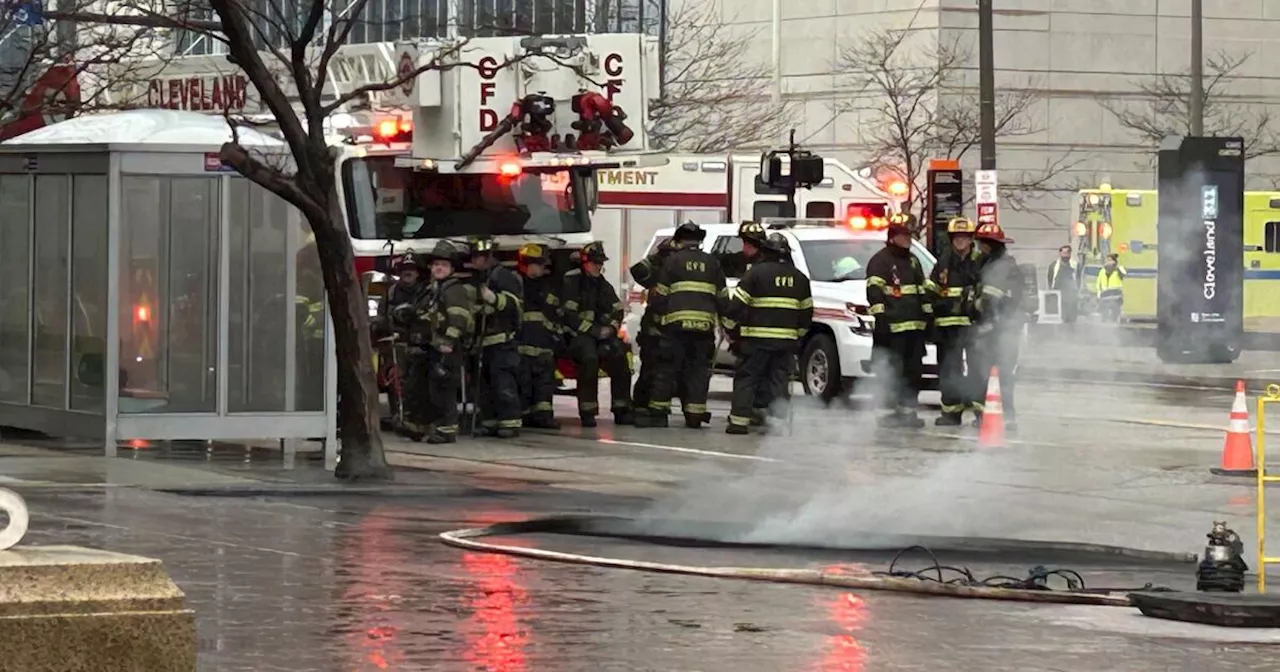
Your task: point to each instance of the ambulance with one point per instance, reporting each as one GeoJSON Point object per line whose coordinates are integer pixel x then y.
{"type": "Point", "coordinates": [1123, 222]}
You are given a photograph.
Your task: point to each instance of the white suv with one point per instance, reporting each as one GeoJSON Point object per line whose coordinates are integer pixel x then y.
{"type": "Point", "coordinates": [837, 350]}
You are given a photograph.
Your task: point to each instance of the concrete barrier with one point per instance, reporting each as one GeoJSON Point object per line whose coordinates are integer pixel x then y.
{"type": "Point", "coordinates": [72, 609]}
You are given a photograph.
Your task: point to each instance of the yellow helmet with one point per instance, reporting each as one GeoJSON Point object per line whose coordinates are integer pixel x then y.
{"type": "Point", "coordinates": [532, 253]}
{"type": "Point", "coordinates": [901, 218]}
{"type": "Point", "coordinates": [961, 225]}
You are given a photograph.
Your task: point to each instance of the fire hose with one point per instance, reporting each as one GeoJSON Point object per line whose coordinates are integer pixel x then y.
{"type": "Point", "coordinates": [934, 579]}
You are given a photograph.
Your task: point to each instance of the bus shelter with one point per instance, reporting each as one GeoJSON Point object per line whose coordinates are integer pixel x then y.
{"type": "Point", "coordinates": [147, 292]}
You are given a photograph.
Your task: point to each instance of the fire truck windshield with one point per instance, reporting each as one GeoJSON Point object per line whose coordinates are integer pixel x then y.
{"type": "Point", "coordinates": [400, 203]}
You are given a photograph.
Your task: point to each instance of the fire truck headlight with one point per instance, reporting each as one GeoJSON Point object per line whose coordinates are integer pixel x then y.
{"type": "Point", "coordinates": [1081, 229]}
{"type": "Point", "coordinates": [1104, 230]}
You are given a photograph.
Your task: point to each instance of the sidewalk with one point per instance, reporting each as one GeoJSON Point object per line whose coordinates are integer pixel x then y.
{"type": "Point", "coordinates": [1098, 354]}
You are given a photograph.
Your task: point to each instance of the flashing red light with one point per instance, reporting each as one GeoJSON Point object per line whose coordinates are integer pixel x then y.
{"type": "Point", "coordinates": [387, 128]}
{"type": "Point", "coordinates": [143, 313]}
{"type": "Point", "coordinates": [510, 169]}
{"type": "Point", "coordinates": [394, 130]}
{"type": "Point", "coordinates": [898, 188]}
{"type": "Point", "coordinates": [858, 222]}
{"type": "Point", "coordinates": [1104, 230]}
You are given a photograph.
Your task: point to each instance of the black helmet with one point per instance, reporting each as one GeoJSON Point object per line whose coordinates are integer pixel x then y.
{"type": "Point", "coordinates": [479, 245]}
{"type": "Point", "coordinates": [779, 245]}
{"type": "Point", "coordinates": [754, 233]}
{"type": "Point", "coordinates": [409, 262]}
{"type": "Point", "coordinates": [594, 251]}
{"type": "Point", "coordinates": [446, 251]}
{"type": "Point", "coordinates": [690, 231]}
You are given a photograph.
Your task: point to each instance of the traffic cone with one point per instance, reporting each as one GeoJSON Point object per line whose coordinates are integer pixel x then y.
{"type": "Point", "coordinates": [1237, 450]}
{"type": "Point", "coordinates": [991, 433]}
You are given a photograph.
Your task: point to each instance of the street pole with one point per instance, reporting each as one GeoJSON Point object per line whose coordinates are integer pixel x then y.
{"type": "Point", "coordinates": [777, 52]}
{"type": "Point", "coordinates": [1195, 107]}
{"type": "Point", "coordinates": [662, 45]}
{"type": "Point", "coordinates": [987, 84]}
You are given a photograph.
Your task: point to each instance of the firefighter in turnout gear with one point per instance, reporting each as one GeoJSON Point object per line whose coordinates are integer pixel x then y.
{"type": "Point", "coordinates": [897, 292]}
{"type": "Point", "coordinates": [592, 316]}
{"type": "Point", "coordinates": [446, 315]}
{"type": "Point", "coordinates": [953, 292]}
{"type": "Point", "coordinates": [769, 311]}
{"type": "Point", "coordinates": [689, 293]}
{"type": "Point", "coordinates": [497, 389]}
{"type": "Point", "coordinates": [780, 385]}
{"type": "Point", "coordinates": [754, 240]}
{"type": "Point", "coordinates": [540, 337]}
{"type": "Point", "coordinates": [392, 329]}
{"type": "Point", "coordinates": [1002, 315]}
{"type": "Point", "coordinates": [645, 273]}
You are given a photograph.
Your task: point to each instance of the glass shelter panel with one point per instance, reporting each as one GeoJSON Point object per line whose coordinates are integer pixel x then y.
{"type": "Point", "coordinates": [168, 310]}
{"type": "Point", "coordinates": [260, 310]}
{"type": "Point", "coordinates": [15, 287]}
{"type": "Point", "coordinates": [89, 292]}
{"type": "Point", "coordinates": [309, 312]}
{"type": "Point", "coordinates": [52, 244]}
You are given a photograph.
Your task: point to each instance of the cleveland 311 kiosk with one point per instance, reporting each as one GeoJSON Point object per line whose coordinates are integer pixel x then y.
{"type": "Point", "coordinates": [1200, 231]}
{"type": "Point", "coordinates": [147, 292]}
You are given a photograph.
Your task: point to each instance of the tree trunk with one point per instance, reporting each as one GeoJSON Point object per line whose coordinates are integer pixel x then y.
{"type": "Point", "coordinates": [361, 456]}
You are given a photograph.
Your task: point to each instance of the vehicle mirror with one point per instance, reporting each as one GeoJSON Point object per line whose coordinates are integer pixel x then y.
{"type": "Point", "coordinates": [593, 191]}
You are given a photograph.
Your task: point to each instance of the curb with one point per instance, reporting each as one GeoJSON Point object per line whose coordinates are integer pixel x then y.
{"type": "Point", "coordinates": [321, 490]}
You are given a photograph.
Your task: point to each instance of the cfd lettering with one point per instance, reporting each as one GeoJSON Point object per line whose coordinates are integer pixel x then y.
{"type": "Point", "coordinates": [488, 69]}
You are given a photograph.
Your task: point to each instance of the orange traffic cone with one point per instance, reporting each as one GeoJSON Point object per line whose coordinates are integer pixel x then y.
{"type": "Point", "coordinates": [991, 433]}
{"type": "Point", "coordinates": [1237, 450]}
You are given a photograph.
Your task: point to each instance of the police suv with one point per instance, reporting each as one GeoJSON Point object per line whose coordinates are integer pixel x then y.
{"type": "Point", "coordinates": [834, 254]}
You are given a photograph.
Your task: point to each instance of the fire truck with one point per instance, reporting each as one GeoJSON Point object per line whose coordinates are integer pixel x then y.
{"type": "Point", "coordinates": [720, 188]}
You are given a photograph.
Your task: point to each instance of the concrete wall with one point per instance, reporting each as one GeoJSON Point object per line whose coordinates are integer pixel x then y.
{"type": "Point", "coordinates": [1070, 53]}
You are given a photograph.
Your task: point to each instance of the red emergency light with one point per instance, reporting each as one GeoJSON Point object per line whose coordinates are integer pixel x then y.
{"type": "Point", "coordinates": [143, 313]}
{"type": "Point", "coordinates": [394, 130]}
{"type": "Point", "coordinates": [862, 216]}
{"type": "Point", "coordinates": [510, 169]}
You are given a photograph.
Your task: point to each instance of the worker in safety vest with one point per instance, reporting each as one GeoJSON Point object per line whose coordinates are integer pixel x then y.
{"type": "Point", "coordinates": [953, 292]}
{"type": "Point", "coordinates": [1065, 278]}
{"type": "Point", "coordinates": [541, 337]}
{"type": "Point", "coordinates": [769, 311]}
{"type": "Point", "coordinates": [1111, 289]}
{"type": "Point", "coordinates": [1002, 315]}
{"type": "Point", "coordinates": [688, 296]}
{"type": "Point", "coordinates": [645, 274]}
{"type": "Point", "coordinates": [592, 316]}
{"type": "Point", "coordinates": [897, 293]}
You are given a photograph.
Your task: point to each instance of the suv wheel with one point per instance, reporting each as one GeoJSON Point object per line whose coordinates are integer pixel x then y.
{"type": "Point", "coordinates": [820, 367]}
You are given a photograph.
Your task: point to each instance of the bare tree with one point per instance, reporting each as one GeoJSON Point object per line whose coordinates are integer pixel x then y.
{"type": "Point", "coordinates": [715, 93]}
{"type": "Point", "coordinates": [53, 66]}
{"type": "Point", "coordinates": [1163, 108]}
{"type": "Point", "coordinates": [911, 106]}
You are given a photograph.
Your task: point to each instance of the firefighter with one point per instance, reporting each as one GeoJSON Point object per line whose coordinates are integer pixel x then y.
{"type": "Point", "coordinates": [540, 337]}
{"type": "Point", "coordinates": [754, 240]}
{"type": "Point", "coordinates": [645, 273]}
{"type": "Point", "coordinates": [780, 387]}
{"type": "Point", "coordinates": [953, 288]}
{"type": "Point", "coordinates": [446, 312]}
{"type": "Point", "coordinates": [310, 320]}
{"type": "Point", "coordinates": [1002, 315]}
{"type": "Point", "coordinates": [896, 286]}
{"type": "Point", "coordinates": [1111, 289]}
{"type": "Point", "coordinates": [592, 316]}
{"type": "Point", "coordinates": [689, 293]}
{"type": "Point", "coordinates": [392, 328]}
{"type": "Point", "coordinates": [497, 388]}
{"type": "Point", "coordinates": [769, 310]}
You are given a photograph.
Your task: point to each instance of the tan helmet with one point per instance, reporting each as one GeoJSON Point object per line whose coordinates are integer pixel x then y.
{"type": "Point", "coordinates": [961, 225]}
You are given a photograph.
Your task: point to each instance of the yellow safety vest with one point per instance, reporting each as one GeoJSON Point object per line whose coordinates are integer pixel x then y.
{"type": "Point", "coordinates": [1110, 283]}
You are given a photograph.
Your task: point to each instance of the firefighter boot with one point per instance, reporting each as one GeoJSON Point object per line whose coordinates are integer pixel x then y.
{"type": "Point", "coordinates": [758, 416]}
{"type": "Point", "coordinates": [694, 420]}
{"type": "Point", "coordinates": [440, 437]}
{"type": "Point", "coordinates": [624, 418]}
{"type": "Point", "coordinates": [949, 420]}
{"type": "Point", "coordinates": [542, 421]}
{"type": "Point", "coordinates": [657, 420]}
{"type": "Point", "coordinates": [588, 421]}
{"type": "Point", "coordinates": [736, 429]}
{"type": "Point", "coordinates": [642, 417]}
{"type": "Point", "coordinates": [481, 431]}
{"type": "Point", "coordinates": [507, 433]}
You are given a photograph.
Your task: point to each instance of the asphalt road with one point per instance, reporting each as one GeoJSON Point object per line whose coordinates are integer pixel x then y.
{"type": "Point", "coordinates": [344, 582]}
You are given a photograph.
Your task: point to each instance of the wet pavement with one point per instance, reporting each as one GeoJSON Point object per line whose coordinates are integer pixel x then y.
{"type": "Point", "coordinates": [333, 581]}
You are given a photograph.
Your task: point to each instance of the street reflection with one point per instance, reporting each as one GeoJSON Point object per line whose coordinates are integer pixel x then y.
{"type": "Point", "coordinates": [844, 653]}
{"type": "Point", "coordinates": [372, 623]}
{"type": "Point", "coordinates": [496, 638]}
